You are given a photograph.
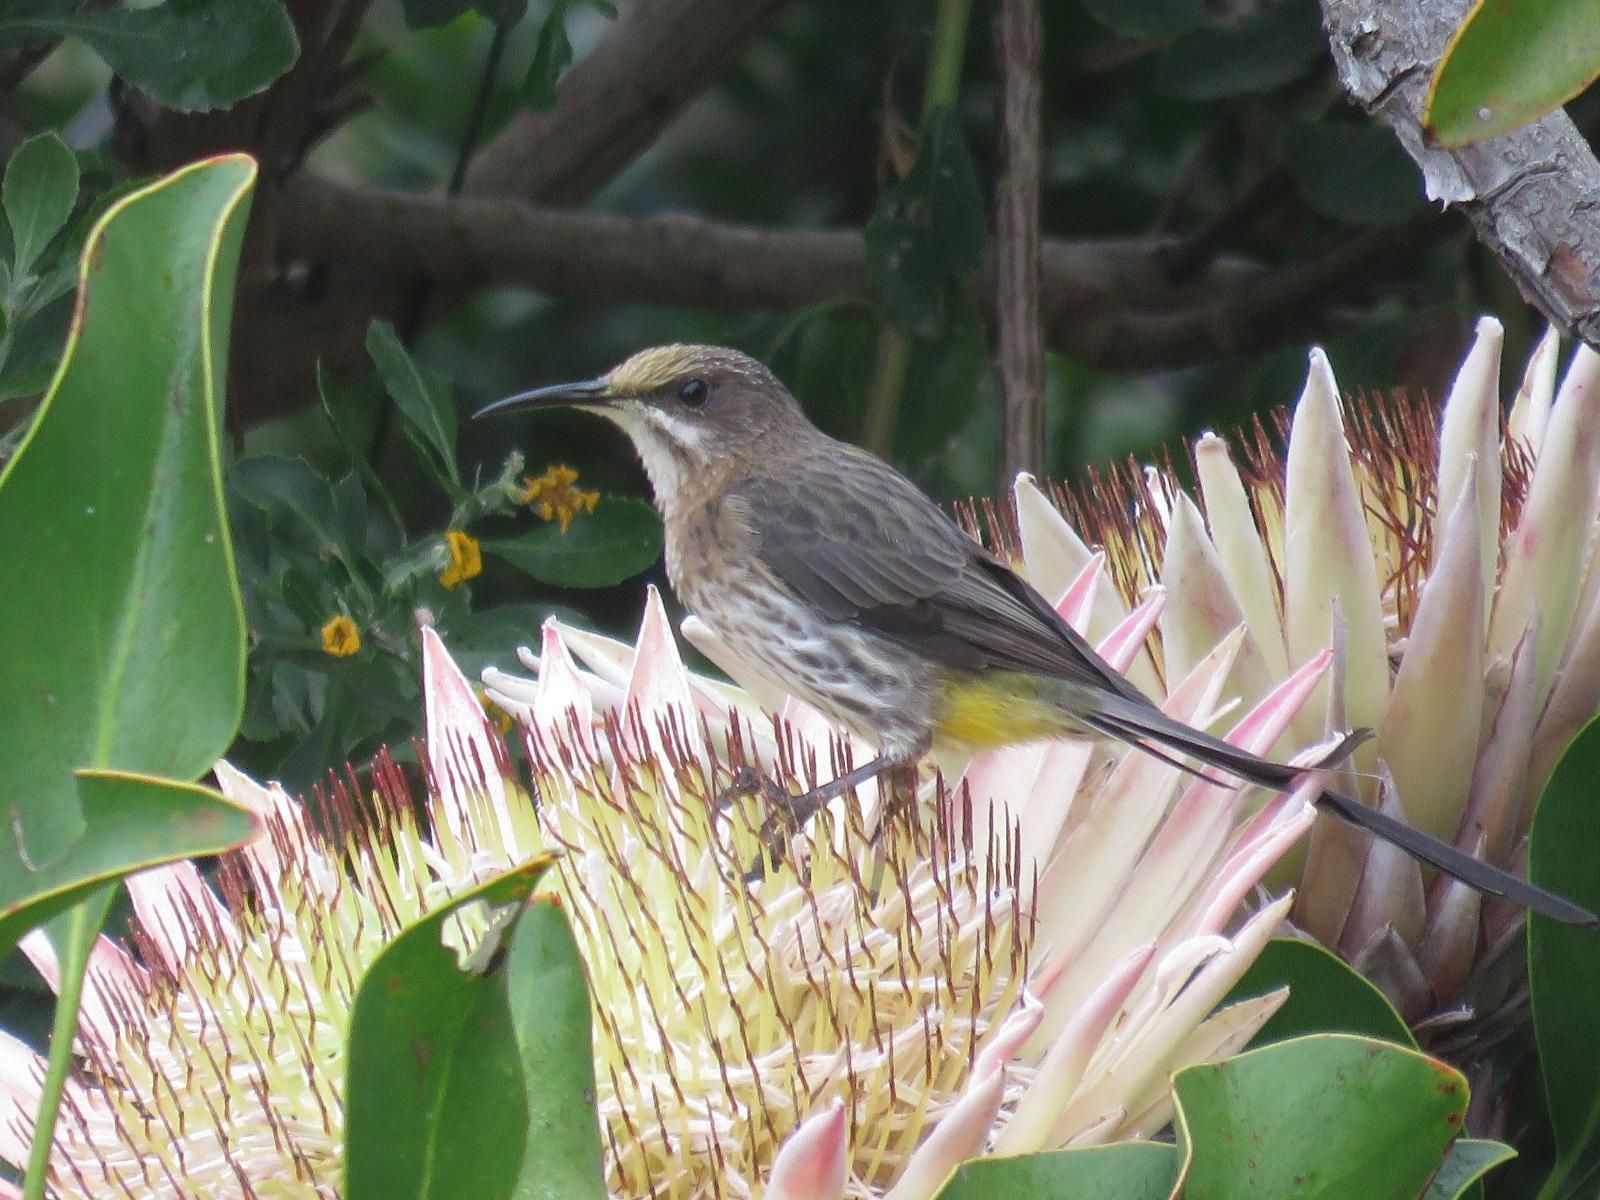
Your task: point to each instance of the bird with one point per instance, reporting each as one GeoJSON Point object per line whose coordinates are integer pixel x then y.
{"type": "Point", "coordinates": [839, 580]}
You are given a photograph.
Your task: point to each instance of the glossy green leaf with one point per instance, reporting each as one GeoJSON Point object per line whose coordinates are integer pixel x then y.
{"type": "Point", "coordinates": [927, 231]}
{"type": "Point", "coordinates": [40, 188]}
{"type": "Point", "coordinates": [1326, 995]}
{"type": "Point", "coordinates": [421, 393]}
{"type": "Point", "coordinates": [494, 1095]}
{"type": "Point", "coordinates": [1469, 1159]}
{"type": "Point", "coordinates": [184, 54]}
{"type": "Point", "coordinates": [1355, 173]}
{"type": "Point", "coordinates": [1510, 64]}
{"type": "Point", "coordinates": [1563, 960]}
{"type": "Point", "coordinates": [1149, 18]}
{"type": "Point", "coordinates": [131, 822]}
{"type": "Point", "coordinates": [121, 631]}
{"type": "Point", "coordinates": [619, 539]}
{"type": "Point", "coordinates": [550, 1019]}
{"type": "Point", "coordinates": [552, 54]}
{"type": "Point", "coordinates": [1329, 1117]}
{"type": "Point", "coordinates": [1271, 46]}
{"type": "Point", "coordinates": [1127, 1171]}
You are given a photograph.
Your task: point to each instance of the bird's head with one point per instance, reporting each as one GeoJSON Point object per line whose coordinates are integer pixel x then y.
{"type": "Point", "coordinates": [685, 408]}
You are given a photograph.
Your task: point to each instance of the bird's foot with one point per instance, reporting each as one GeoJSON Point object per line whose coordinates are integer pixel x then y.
{"type": "Point", "coordinates": [787, 812]}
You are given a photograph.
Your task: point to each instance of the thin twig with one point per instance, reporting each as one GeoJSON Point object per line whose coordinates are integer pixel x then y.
{"type": "Point", "coordinates": [1019, 343]}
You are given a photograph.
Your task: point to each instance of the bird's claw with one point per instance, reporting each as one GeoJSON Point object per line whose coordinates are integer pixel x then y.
{"type": "Point", "coordinates": [786, 812]}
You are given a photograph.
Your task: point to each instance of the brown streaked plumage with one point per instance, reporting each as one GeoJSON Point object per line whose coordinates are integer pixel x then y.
{"type": "Point", "coordinates": [832, 573]}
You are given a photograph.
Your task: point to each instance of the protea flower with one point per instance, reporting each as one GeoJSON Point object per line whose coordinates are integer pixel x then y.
{"type": "Point", "coordinates": [1020, 967]}
{"type": "Point", "coordinates": [1448, 560]}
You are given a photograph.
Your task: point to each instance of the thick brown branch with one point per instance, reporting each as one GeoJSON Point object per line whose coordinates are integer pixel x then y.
{"type": "Point", "coordinates": [1019, 348]}
{"type": "Point", "coordinates": [657, 58]}
{"type": "Point", "coordinates": [1530, 194]}
{"type": "Point", "coordinates": [615, 103]}
{"type": "Point", "coordinates": [1109, 303]}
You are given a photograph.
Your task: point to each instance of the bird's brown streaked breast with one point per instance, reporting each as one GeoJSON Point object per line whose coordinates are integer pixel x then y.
{"type": "Point", "coordinates": [851, 675]}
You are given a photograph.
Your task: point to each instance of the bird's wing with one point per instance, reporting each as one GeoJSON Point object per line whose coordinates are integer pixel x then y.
{"type": "Point", "coordinates": [857, 541]}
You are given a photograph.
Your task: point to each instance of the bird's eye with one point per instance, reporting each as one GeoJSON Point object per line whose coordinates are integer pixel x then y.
{"type": "Point", "coordinates": [693, 392]}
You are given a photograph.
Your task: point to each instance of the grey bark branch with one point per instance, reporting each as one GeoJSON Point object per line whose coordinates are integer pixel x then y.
{"type": "Point", "coordinates": [1019, 346]}
{"type": "Point", "coordinates": [1112, 304]}
{"type": "Point", "coordinates": [1533, 196]}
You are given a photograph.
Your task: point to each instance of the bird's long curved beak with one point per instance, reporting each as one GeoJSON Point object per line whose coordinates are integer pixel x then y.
{"type": "Point", "coordinates": [590, 393]}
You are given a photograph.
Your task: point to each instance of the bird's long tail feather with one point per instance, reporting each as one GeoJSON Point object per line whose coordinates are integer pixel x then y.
{"type": "Point", "coordinates": [1140, 724]}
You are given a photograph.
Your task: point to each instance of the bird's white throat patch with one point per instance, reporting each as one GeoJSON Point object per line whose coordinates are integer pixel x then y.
{"type": "Point", "coordinates": [670, 447]}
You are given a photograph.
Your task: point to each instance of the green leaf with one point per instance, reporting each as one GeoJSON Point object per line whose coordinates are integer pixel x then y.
{"type": "Point", "coordinates": [552, 54]}
{"type": "Point", "coordinates": [620, 538]}
{"type": "Point", "coordinates": [927, 231]}
{"type": "Point", "coordinates": [291, 486]}
{"type": "Point", "coordinates": [1355, 173]}
{"type": "Point", "coordinates": [1330, 1117]}
{"type": "Point", "coordinates": [352, 415]}
{"type": "Point", "coordinates": [422, 395]}
{"type": "Point", "coordinates": [945, 381]}
{"type": "Point", "coordinates": [1510, 64]}
{"type": "Point", "coordinates": [1270, 47]}
{"type": "Point", "coordinates": [36, 349]}
{"type": "Point", "coordinates": [1326, 995]}
{"type": "Point", "coordinates": [1149, 18]}
{"type": "Point", "coordinates": [547, 994]}
{"type": "Point", "coordinates": [121, 629]}
{"type": "Point", "coordinates": [1468, 1161]}
{"type": "Point", "coordinates": [73, 934]}
{"type": "Point", "coordinates": [131, 822]}
{"type": "Point", "coordinates": [40, 188]}
{"type": "Point", "coordinates": [1564, 960]}
{"type": "Point", "coordinates": [1127, 1171]}
{"type": "Point", "coordinates": [494, 1093]}
{"type": "Point", "coordinates": [184, 54]}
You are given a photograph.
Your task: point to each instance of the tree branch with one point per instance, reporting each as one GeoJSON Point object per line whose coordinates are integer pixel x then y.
{"type": "Point", "coordinates": [290, 313]}
{"type": "Point", "coordinates": [1019, 348]}
{"type": "Point", "coordinates": [1530, 194]}
{"type": "Point", "coordinates": [615, 103]}
{"type": "Point", "coordinates": [1111, 304]}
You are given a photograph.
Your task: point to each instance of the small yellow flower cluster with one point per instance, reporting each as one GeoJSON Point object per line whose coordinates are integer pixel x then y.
{"type": "Point", "coordinates": [340, 637]}
{"type": "Point", "coordinates": [466, 559]}
{"type": "Point", "coordinates": [553, 497]}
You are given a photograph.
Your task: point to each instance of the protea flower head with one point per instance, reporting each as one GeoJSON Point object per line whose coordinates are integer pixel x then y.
{"type": "Point", "coordinates": [1449, 560]}
{"type": "Point", "coordinates": [1021, 966]}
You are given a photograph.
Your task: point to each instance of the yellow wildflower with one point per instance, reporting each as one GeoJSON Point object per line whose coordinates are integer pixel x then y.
{"type": "Point", "coordinates": [340, 637]}
{"type": "Point", "coordinates": [553, 497]}
{"type": "Point", "coordinates": [466, 560]}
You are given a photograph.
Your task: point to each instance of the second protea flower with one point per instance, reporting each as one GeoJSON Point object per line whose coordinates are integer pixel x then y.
{"type": "Point", "coordinates": [1449, 560]}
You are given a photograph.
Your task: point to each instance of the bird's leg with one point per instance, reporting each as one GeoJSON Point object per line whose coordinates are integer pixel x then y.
{"type": "Point", "coordinates": [749, 781]}
{"type": "Point", "coordinates": [789, 812]}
